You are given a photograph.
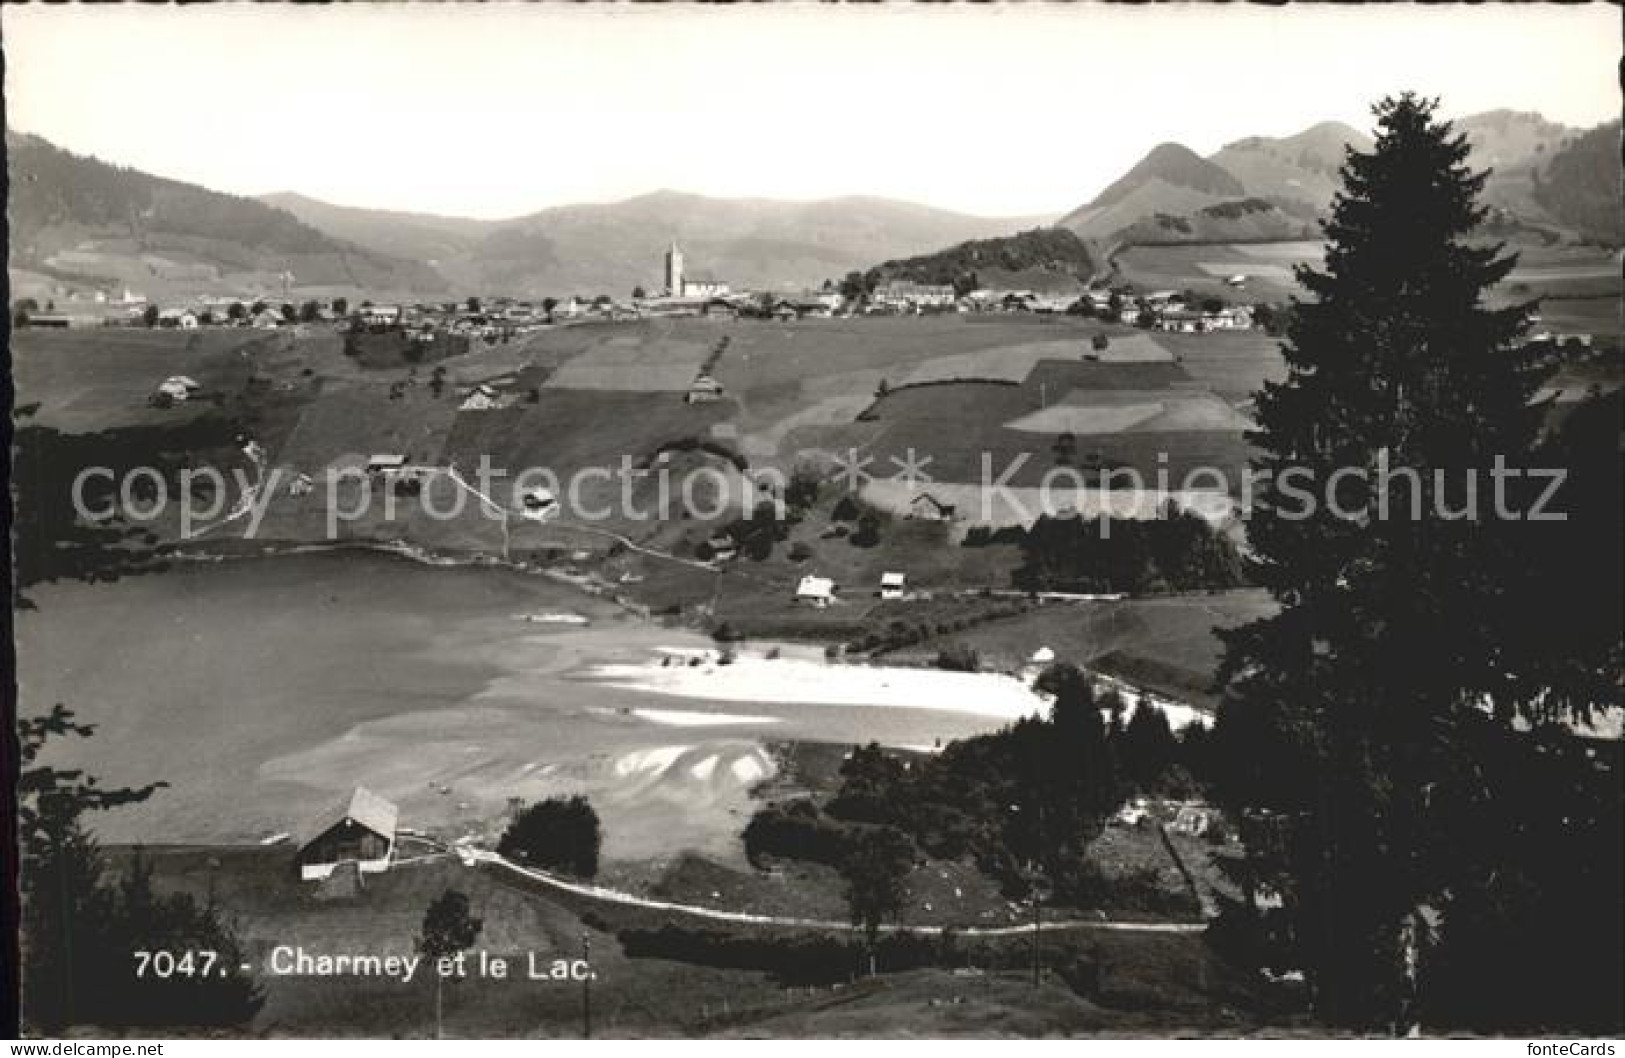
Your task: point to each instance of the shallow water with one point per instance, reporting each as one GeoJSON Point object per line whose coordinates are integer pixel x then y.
{"type": "Point", "coordinates": [263, 690]}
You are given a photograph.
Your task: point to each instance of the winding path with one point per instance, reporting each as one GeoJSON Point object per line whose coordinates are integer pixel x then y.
{"type": "Point", "coordinates": [472, 857]}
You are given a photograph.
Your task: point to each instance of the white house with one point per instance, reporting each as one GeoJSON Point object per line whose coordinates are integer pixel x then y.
{"type": "Point", "coordinates": [891, 585]}
{"type": "Point", "coordinates": [184, 319]}
{"type": "Point", "coordinates": [815, 591]}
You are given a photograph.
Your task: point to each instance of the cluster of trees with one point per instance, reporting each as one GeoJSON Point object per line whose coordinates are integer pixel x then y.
{"type": "Point", "coordinates": [858, 522]}
{"type": "Point", "coordinates": [1051, 249]}
{"type": "Point", "coordinates": [24, 309]}
{"type": "Point", "coordinates": [1179, 551]}
{"type": "Point", "coordinates": [81, 932]}
{"type": "Point", "coordinates": [560, 833]}
{"type": "Point", "coordinates": [1024, 802]}
{"type": "Point", "coordinates": [897, 634]}
{"type": "Point", "coordinates": [754, 535]}
{"type": "Point", "coordinates": [1397, 737]}
{"type": "Point", "coordinates": [51, 542]}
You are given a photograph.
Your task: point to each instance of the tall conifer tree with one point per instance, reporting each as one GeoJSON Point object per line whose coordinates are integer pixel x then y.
{"type": "Point", "coordinates": [1341, 710]}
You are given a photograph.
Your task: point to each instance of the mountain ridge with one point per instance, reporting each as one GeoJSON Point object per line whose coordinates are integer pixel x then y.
{"type": "Point", "coordinates": [106, 226]}
{"type": "Point", "coordinates": [611, 247]}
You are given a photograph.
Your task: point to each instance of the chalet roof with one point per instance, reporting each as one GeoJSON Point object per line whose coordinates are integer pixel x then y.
{"type": "Point", "coordinates": [363, 807]}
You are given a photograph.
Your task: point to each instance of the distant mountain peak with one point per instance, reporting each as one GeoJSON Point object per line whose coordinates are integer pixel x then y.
{"type": "Point", "coordinates": [1175, 164]}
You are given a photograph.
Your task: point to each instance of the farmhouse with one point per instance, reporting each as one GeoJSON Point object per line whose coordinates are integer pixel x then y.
{"type": "Point", "coordinates": [267, 320]}
{"type": "Point", "coordinates": [482, 397]}
{"type": "Point", "coordinates": [719, 309]}
{"type": "Point", "coordinates": [361, 830]}
{"type": "Point", "coordinates": [380, 315]}
{"type": "Point", "coordinates": [813, 306]}
{"type": "Point", "coordinates": [1229, 318]}
{"type": "Point", "coordinates": [54, 321]}
{"type": "Point", "coordinates": [1054, 303]}
{"type": "Point", "coordinates": [927, 507]}
{"type": "Point", "coordinates": [386, 463]}
{"type": "Point", "coordinates": [906, 294]}
{"type": "Point", "coordinates": [538, 504]}
{"type": "Point", "coordinates": [183, 319]}
{"type": "Point", "coordinates": [704, 389]}
{"type": "Point", "coordinates": [178, 387]}
{"type": "Point", "coordinates": [891, 585]}
{"type": "Point", "coordinates": [1179, 321]}
{"type": "Point", "coordinates": [1192, 818]}
{"type": "Point", "coordinates": [815, 591]}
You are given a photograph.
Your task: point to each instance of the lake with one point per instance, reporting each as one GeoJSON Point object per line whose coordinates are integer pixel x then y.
{"type": "Point", "coordinates": [262, 690]}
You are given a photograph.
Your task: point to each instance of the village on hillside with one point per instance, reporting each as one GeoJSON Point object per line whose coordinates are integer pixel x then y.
{"type": "Point", "coordinates": [650, 614]}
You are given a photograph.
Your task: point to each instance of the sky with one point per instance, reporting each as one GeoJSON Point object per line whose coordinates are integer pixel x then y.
{"type": "Point", "coordinates": [499, 110]}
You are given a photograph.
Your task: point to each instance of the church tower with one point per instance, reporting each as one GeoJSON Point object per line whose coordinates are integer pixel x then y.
{"type": "Point", "coordinates": [674, 271]}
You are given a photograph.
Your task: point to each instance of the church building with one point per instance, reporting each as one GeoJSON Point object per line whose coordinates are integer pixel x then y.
{"type": "Point", "coordinates": [681, 285]}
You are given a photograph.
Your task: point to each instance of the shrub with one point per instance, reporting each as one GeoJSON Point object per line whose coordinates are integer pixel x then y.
{"type": "Point", "coordinates": [959, 658]}
{"type": "Point", "coordinates": [561, 833]}
{"type": "Point", "coordinates": [868, 534]}
{"type": "Point", "coordinates": [795, 830]}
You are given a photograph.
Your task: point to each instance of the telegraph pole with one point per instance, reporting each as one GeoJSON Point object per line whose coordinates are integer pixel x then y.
{"type": "Point", "coordinates": [586, 986]}
{"type": "Point", "coordinates": [1037, 905]}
